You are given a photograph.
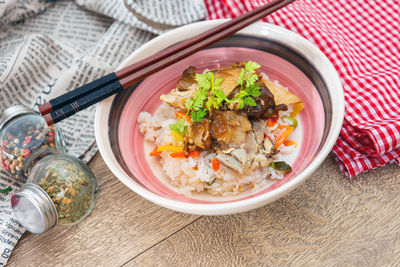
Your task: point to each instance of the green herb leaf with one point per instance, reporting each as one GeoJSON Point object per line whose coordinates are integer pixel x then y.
{"type": "Point", "coordinates": [249, 88]}
{"type": "Point", "coordinates": [252, 66]}
{"type": "Point", "coordinates": [220, 95]}
{"type": "Point", "coordinates": [198, 116]}
{"type": "Point", "coordinates": [218, 82]}
{"type": "Point", "coordinates": [199, 97]}
{"type": "Point", "coordinates": [178, 127]}
{"type": "Point", "coordinates": [189, 103]}
{"type": "Point", "coordinates": [209, 103]}
{"type": "Point", "coordinates": [254, 90]}
{"type": "Point", "coordinates": [249, 101]}
{"type": "Point", "coordinates": [204, 80]}
{"type": "Point", "coordinates": [196, 103]}
{"type": "Point", "coordinates": [5, 190]}
{"type": "Point", "coordinates": [251, 79]}
{"type": "Point", "coordinates": [241, 77]}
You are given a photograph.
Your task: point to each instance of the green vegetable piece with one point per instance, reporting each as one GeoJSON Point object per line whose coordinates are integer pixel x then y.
{"type": "Point", "coordinates": [281, 166]}
{"type": "Point", "coordinates": [5, 190]}
{"type": "Point", "coordinates": [291, 121]}
{"type": "Point", "coordinates": [210, 183]}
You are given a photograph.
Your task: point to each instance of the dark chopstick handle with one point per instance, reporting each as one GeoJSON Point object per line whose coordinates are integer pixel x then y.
{"type": "Point", "coordinates": [82, 103]}
{"type": "Point", "coordinates": [77, 93]}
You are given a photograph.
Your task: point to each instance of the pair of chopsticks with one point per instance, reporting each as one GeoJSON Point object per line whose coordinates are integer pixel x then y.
{"type": "Point", "coordinates": [82, 97]}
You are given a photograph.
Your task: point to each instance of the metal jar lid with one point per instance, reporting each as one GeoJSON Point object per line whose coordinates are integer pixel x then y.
{"type": "Point", "coordinates": [34, 209]}
{"type": "Point", "coordinates": [13, 112]}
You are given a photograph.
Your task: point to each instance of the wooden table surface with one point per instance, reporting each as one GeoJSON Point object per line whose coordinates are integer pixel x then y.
{"type": "Point", "coordinates": [329, 220]}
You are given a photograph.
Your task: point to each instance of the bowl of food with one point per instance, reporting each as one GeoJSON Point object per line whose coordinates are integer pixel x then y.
{"type": "Point", "coordinates": [227, 129]}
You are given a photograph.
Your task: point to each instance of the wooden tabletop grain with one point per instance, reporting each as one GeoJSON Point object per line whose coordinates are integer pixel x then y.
{"type": "Point", "coordinates": [327, 221]}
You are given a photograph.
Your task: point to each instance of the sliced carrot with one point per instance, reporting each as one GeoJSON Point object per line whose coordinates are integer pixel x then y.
{"type": "Point", "coordinates": [215, 164]}
{"type": "Point", "coordinates": [182, 115]}
{"type": "Point", "coordinates": [285, 132]}
{"type": "Point", "coordinates": [290, 143]}
{"type": "Point", "coordinates": [194, 154]}
{"type": "Point", "coordinates": [155, 152]}
{"type": "Point", "coordinates": [177, 154]}
{"type": "Point", "coordinates": [272, 121]}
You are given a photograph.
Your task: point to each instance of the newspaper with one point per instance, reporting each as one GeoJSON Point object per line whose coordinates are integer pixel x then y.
{"type": "Point", "coordinates": [50, 47]}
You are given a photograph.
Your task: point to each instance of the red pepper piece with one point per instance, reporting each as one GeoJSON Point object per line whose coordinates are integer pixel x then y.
{"type": "Point", "coordinates": [215, 164]}
{"type": "Point", "coordinates": [27, 152]}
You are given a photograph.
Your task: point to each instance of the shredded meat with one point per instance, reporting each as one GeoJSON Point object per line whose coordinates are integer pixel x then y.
{"type": "Point", "coordinates": [266, 107]}
{"type": "Point", "coordinates": [198, 136]}
{"type": "Point", "coordinates": [229, 127]}
{"type": "Point", "coordinates": [187, 79]}
{"type": "Point", "coordinates": [230, 162]}
{"type": "Point", "coordinates": [230, 76]}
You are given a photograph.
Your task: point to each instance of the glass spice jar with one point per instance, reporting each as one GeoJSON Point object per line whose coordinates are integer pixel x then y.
{"type": "Point", "coordinates": [25, 138]}
{"type": "Point", "coordinates": [60, 190]}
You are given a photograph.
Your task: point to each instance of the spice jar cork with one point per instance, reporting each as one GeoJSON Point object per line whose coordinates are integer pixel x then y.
{"type": "Point", "coordinates": [60, 190]}
{"type": "Point", "coordinates": [25, 138]}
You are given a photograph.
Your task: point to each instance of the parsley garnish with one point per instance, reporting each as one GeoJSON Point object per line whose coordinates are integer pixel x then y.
{"type": "Point", "coordinates": [196, 103]}
{"type": "Point", "coordinates": [178, 127]}
{"type": "Point", "coordinates": [198, 116]}
{"type": "Point", "coordinates": [202, 101]}
{"type": "Point", "coordinates": [248, 86]}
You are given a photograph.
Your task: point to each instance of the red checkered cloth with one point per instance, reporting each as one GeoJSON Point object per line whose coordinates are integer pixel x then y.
{"type": "Point", "coordinates": [362, 40]}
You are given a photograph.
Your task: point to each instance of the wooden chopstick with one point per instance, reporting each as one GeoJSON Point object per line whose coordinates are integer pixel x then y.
{"type": "Point", "coordinates": [87, 95]}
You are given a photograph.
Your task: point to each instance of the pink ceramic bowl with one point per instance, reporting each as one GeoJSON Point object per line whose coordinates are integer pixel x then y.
{"type": "Point", "coordinates": [283, 55]}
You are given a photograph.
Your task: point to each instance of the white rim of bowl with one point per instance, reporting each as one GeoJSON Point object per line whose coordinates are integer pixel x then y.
{"type": "Point", "coordinates": [259, 29]}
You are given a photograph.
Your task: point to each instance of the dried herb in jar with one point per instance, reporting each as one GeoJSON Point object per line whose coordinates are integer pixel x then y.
{"type": "Point", "coordinates": [70, 189]}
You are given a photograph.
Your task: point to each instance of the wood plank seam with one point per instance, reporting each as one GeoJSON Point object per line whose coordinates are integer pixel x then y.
{"type": "Point", "coordinates": [162, 240]}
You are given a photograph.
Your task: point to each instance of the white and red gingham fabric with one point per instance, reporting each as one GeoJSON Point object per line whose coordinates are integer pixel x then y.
{"type": "Point", "coordinates": [362, 40]}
